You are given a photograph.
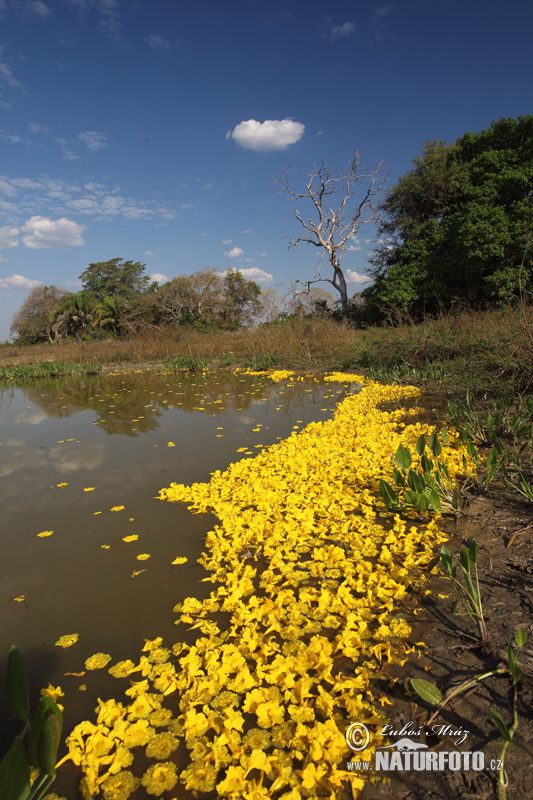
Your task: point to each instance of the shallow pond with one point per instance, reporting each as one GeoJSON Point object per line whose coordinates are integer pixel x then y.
{"type": "Point", "coordinates": [74, 450]}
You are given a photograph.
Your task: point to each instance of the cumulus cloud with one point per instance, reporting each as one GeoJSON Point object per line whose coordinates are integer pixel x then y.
{"type": "Point", "coordinates": [235, 252]}
{"type": "Point", "coordinates": [159, 278]}
{"type": "Point", "coordinates": [273, 134]}
{"type": "Point", "coordinates": [255, 274]}
{"type": "Point", "coordinates": [93, 140]}
{"type": "Point", "coordinates": [158, 42]}
{"type": "Point", "coordinates": [355, 277]}
{"type": "Point", "coordinates": [41, 232]}
{"type": "Point", "coordinates": [18, 282]}
{"type": "Point", "coordinates": [8, 238]}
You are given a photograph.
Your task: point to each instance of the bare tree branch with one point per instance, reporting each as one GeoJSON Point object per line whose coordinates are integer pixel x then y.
{"type": "Point", "coordinates": [336, 226]}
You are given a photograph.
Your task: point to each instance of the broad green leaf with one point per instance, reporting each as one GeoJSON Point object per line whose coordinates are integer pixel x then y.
{"type": "Point", "coordinates": [444, 435]}
{"type": "Point", "coordinates": [388, 494]}
{"type": "Point", "coordinates": [415, 481]}
{"type": "Point", "coordinates": [520, 637]}
{"type": "Point", "coordinates": [502, 727]}
{"type": "Point", "coordinates": [427, 691]}
{"type": "Point", "coordinates": [398, 477]}
{"type": "Point", "coordinates": [434, 500]}
{"type": "Point", "coordinates": [17, 684]}
{"type": "Point", "coordinates": [448, 560]}
{"type": "Point", "coordinates": [473, 551]}
{"type": "Point", "coordinates": [457, 498]}
{"type": "Point", "coordinates": [426, 463]}
{"type": "Point", "coordinates": [403, 457]}
{"type": "Point", "coordinates": [465, 559]}
{"type": "Point", "coordinates": [48, 744]}
{"type": "Point", "coordinates": [421, 445]}
{"type": "Point", "coordinates": [434, 444]}
{"type": "Point", "coordinates": [46, 708]}
{"type": "Point", "coordinates": [471, 450]}
{"type": "Point", "coordinates": [15, 773]}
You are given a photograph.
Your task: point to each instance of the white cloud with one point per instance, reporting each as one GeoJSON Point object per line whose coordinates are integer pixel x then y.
{"type": "Point", "coordinates": [8, 238]}
{"type": "Point", "coordinates": [235, 252]}
{"type": "Point", "coordinates": [255, 274]}
{"type": "Point", "coordinates": [346, 29]}
{"type": "Point", "coordinates": [36, 127]}
{"type": "Point", "coordinates": [354, 277]}
{"type": "Point", "coordinates": [262, 254]}
{"type": "Point", "coordinates": [273, 134]}
{"type": "Point", "coordinates": [42, 232]}
{"type": "Point", "coordinates": [227, 241]}
{"type": "Point", "coordinates": [159, 278]}
{"type": "Point", "coordinates": [66, 152]}
{"type": "Point", "coordinates": [158, 42]}
{"type": "Point", "coordinates": [18, 282]}
{"type": "Point", "coordinates": [93, 140]}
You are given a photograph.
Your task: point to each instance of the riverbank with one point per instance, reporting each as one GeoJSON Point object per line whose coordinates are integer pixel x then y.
{"type": "Point", "coordinates": [489, 352]}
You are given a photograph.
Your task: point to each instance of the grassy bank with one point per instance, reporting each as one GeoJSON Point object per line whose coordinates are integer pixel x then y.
{"type": "Point", "coordinates": [489, 351]}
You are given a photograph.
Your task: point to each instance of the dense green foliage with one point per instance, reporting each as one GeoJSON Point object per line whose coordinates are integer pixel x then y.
{"type": "Point", "coordinates": [459, 225]}
{"type": "Point", "coordinates": [117, 300]}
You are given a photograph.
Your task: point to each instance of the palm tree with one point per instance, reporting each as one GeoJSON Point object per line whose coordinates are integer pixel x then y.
{"type": "Point", "coordinates": [109, 313]}
{"type": "Point", "coordinates": [73, 315]}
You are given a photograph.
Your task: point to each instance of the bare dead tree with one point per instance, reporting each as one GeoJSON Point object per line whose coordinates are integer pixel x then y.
{"type": "Point", "coordinates": [354, 195]}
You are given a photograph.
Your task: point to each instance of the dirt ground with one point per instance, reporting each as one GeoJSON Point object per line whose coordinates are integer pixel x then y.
{"type": "Point", "coordinates": [503, 527]}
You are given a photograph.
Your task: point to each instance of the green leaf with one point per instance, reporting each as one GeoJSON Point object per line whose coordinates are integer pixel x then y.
{"type": "Point", "coordinates": [48, 744]}
{"type": "Point", "coordinates": [398, 477]}
{"type": "Point", "coordinates": [426, 463]}
{"type": "Point", "coordinates": [457, 498]}
{"type": "Point", "coordinates": [465, 560]}
{"type": "Point", "coordinates": [17, 684]}
{"type": "Point", "coordinates": [15, 773]}
{"type": "Point", "coordinates": [388, 494]}
{"type": "Point", "coordinates": [39, 728]}
{"type": "Point", "coordinates": [403, 457]}
{"type": "Point", "coordinates": [471, 450]}
{"type": "Point", "coordinates": [520, 637]}
{"type": "Point", "coordinates": [427, 691]}
{"type": "Point", "coordinates": [473, 552]}
{"type": "Point", "coordinates": [434, 444]}
{"type": "Point", "coordinates": [434, 500]}
{"type": "Point", "coordinates": [421, 445]}
{"type": "Point", "coordinates": [415, 481]}
{"type": "Point", "coordinates": [502, 727]}
{"type": "Point", "coordinates": [444, 435]}
{"type": "Point", "coordinates": [448, 560]}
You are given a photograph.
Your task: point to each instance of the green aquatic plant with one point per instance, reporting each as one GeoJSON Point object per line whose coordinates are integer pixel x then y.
{"type": "Point", "coordinates": [426, 487]}
{"type": "Point", "coordinates": [35, 745]}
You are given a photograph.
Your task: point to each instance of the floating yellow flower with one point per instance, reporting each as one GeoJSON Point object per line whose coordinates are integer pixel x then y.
{"type": "Point", "coordinates": [160, 778]}
{"type": "Point", "coordinates": [117, 508]}
{"type": "Point", "coordinates": [132, 538]}
{"type": "Point", "coordinates": [98, 661]}
{"type": "Point", "coordinates": [171, 444]}
{"type": "Point", "coordinates": [143, 557]}
{"type": "Point", "coordinates": [89, 489]}
{"type": "Point", "coordinates": [20, 599]}
{"type": "Point", "coordinates": [180, 560]}
{"type": "Point", "coordinates": [67, 640]}
{"type": "Point", "coordinates": [43, 534]}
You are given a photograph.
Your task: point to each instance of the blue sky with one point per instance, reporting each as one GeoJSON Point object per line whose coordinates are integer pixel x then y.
{"type": "Point", "coordinates": [152, 130]}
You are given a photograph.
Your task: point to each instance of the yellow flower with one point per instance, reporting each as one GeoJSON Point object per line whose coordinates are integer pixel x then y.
{"type": "Point", "coordinates": [132, 538]}
{"type": "Point", "coordinates": [98, 661]}
{"type": "Point", "coordinates": [161, 746]}
{"type": "Point", "coordinates": [67, 640]}
{"type": "Point", "coordinates": [180, 560]}
{"type": "Point", "coordinates": [89, 489]}
{"type": "Point", "coordinates": [143, 557]}
{"type": "Point", "coordinates": [44, 533]}
{"type": "Point", "coordinates": [54, 692]}
{"type": "Point", "coordinates": [119, 786]}
{"type": "Point", "coordinates": [160, 778]}
{"type": "Point", "coordinates": [121, 669]}
{"type": "Point", "coordinates": [117, 508]}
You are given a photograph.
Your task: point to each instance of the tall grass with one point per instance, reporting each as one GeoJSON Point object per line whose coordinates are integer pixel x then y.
{"type": "Point", "coordinates": [487, 351]}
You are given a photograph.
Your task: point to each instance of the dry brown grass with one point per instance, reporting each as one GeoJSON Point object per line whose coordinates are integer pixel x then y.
{"type": "Point", "coordinates": [468, 348]}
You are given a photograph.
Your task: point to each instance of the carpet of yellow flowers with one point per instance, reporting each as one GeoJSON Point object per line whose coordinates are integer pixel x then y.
{"type": "Point", "coordinates": [308, 569]}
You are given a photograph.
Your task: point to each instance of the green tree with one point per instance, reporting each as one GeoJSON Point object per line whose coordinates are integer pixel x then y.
{"type": "Point", "coordinates": [110, 314]}
{"type": "Point", "coordinates": [115, 278]}
{"type": "Point", "coordinates": [74, 315]}
{"type": "Point", "coordinates": [31, 324]}
{"type": "Point", "coordinates": [459, 225]}
{"type": "Point", "coordinates": [241, 300]}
